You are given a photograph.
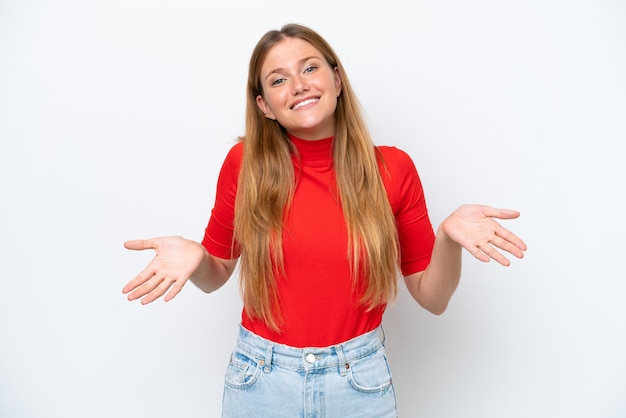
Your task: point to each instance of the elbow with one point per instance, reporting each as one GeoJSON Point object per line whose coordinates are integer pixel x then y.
{"type": "Point", "coordinates": [203, 286]}
{"type": "Point", "coordinates": [434, 307]}
{"type": "Point", "coordinates": [438, 309]}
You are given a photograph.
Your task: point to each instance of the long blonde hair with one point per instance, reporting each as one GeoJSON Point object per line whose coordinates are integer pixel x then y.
{"type": "Point", "coordinates": [267, 182]}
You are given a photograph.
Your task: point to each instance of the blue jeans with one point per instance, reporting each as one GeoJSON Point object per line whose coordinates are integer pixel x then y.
{"type": "Point", "coordinates": [351, 379]}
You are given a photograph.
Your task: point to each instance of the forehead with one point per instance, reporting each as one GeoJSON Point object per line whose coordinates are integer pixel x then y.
{"type": "Point", "coordinates": [289, 51]}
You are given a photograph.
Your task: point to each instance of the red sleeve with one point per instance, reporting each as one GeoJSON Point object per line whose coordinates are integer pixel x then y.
{"type": "Point", "coordinates": [408, 203]}
{"type": "Point", "coordinates": [218, 235]}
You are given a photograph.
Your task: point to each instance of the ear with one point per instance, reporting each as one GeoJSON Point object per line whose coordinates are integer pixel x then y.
{"type": "Point", "coordinates": [338, 84]}
{"type": "Point", "coordinates": [264, 107]}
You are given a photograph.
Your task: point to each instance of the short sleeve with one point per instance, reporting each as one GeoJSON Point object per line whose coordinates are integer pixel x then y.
{"type": "Point", "coordinates": [219, 233]}
{"type": "Point", "coordinates": [408, 203]}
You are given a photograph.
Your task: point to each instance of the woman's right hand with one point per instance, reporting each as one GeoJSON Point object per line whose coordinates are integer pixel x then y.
{"type": "Point", "coordinates": [175, 261]}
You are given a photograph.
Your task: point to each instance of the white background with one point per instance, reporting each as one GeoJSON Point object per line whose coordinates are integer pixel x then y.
{"type": "Point", "coordinates": [115, 117]}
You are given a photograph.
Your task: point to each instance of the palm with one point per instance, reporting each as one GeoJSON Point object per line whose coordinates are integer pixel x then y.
{"type": "Point", "coordinates": [474, 228]}
{"type": "Point", "coordinates": [175, 260]}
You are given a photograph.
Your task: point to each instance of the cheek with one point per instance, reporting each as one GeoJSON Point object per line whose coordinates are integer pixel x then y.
{"type": "Point", "coordinates": [274, 100]}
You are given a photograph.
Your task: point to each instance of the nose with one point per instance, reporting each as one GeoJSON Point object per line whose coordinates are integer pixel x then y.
{"type": "Point", "coordinates": [299, 85]}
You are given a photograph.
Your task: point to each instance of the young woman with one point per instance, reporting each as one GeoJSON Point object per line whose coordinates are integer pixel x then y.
{"type": "Point", "coordinates": [322, 222]}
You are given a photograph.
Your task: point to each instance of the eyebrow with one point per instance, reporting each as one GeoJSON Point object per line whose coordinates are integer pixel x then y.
{"type": "Point", "coordinates": [302, 61]}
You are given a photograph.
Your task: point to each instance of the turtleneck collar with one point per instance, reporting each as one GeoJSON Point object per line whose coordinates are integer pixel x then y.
{"type": "Point", "coordinates": [317, 152]}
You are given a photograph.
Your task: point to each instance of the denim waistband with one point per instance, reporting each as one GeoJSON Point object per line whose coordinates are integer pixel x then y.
{"type": "Point", "coordinates": [269, 353]}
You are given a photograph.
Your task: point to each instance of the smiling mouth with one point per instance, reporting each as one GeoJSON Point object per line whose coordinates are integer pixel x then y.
{"type": "Point", "coordinates": [304, 103]}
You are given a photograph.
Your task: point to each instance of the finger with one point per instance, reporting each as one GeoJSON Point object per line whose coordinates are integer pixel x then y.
{"type": "Point", "coordinates": [504, 245]}
{"type": "Point", "coordinates": [157, 291]}
{"type": "Point", "coordinates": [140, 279]}
{"type": "Point", "coordinates": [517, 245]}
{"type": "Point", "coordinates": [147, 288]}
{"type": "Point", "coordinates": [477, 252]}
{"type": "Point", "coordinates": [140, 244]}
{"type": "Point", "coordinates": [176, 288]}
{"type": "Point", "coordinates": [494, 254]}
{"type": "Point", "coordinates": [501, 213]}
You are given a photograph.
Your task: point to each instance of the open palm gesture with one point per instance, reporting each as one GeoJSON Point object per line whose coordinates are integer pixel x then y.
{"type": "Point", "coordinates": [474, 227]}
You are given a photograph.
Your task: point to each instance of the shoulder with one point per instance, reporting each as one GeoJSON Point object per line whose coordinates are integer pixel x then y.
{"type": "Point", "coordinates": [401, 179]}
{"type": "Point", "coordinates": [394, 159]}
{"type": "Point", "coordinates": [236, 151]}
{"type": "Point", "coordinates": [234, 156]}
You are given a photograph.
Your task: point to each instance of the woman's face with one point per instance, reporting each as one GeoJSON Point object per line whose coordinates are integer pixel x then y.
{"type": "Point", "coordinates": [300, 89]}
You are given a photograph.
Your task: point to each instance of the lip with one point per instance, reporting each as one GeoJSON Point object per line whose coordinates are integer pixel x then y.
{"type": "Point", "coordinates": [312, 99]}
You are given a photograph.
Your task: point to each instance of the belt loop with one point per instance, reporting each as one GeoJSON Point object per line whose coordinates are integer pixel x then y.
{"type": "Point", "coordinates": [343, 365]}
{"type": "Point", "coordinates": [383, 338]}
{"type": "Point", "coordinates": [267, 367]}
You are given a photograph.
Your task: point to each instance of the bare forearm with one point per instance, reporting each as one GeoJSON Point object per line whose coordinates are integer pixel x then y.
{"type": "Point", "coordinates": [433, 288]}
{"type": "Point", "coordinates": [473, 228]}
{"type": "Point", "coordinates": [212, 272]}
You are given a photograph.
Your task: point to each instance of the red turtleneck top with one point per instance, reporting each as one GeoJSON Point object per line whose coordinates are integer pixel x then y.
{"type": "Point", "coordinates": [316, 295]}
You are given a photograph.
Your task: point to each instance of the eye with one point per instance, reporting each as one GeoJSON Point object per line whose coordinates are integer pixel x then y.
{"type": "Point", "coordinates": [278, 82]}
{"type": "Point", "coordinates": [310, 69]}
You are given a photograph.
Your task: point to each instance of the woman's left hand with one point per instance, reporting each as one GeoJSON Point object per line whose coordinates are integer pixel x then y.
{"type": "Point", "coordinates": [474, 228]}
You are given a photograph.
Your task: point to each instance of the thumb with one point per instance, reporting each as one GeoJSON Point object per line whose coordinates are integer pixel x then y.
{"type": "Point", "coordinates": [501, 213]}
{"type": "Point", "coordinates": [140, 244]}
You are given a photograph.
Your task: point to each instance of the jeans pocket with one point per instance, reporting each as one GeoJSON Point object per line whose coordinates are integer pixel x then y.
{"type": "Point", "coordinates": [370, 374]}
{"type": "Point", "coordinates": [242, 371]}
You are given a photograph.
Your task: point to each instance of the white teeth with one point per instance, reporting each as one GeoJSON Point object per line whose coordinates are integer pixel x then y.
{"type": "Point", "coordinates": [304, 103]}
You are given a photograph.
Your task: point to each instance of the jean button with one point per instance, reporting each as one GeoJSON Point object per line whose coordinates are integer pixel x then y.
{"type": "Point", "coordinates": [310, 358]}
